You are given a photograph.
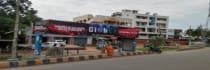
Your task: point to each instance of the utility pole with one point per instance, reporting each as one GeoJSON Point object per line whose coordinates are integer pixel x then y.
{"type": "Point", "coordinates": [205, 29]}
{"type": "Point", "coordinates": [190, 37]}
{"type": "Point", "coordinates": [208, 18]}
{"type": "Point", "coordinates": [14, 43]}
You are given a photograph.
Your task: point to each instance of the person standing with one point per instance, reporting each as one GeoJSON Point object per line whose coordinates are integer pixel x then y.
{"type": "Point", "coordinates": [120, 46]}
{"type": "Point", "coordinates": [109, 49]}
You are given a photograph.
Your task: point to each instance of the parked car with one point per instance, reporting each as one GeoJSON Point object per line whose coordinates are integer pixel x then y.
{"type": "Point", "coordinates": [51, 44]}
{"type": "Point", "coordinates": [62, 42]}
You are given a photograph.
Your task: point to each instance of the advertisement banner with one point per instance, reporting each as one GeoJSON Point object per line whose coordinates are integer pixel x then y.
{"type": "Point", "coordinates": [67, 28]}
{"type": "Point", "coordinates": [102, 29]}
{"type": "Point", "coordinates": [74, 28]}
{"type": "Point", "coordinates": [39, 27]}
{"type": "Point", "coordinates": [128, 32]}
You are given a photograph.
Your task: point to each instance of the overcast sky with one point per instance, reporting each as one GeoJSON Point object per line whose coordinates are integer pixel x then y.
{"type": "Point", "coordinates": [182, 13]}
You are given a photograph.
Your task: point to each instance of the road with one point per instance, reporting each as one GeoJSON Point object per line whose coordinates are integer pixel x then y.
{"type": "Point", "coordinates": [185, 60]}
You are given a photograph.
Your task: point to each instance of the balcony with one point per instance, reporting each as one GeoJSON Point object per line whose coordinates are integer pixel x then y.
{"type": "Point", "coordinates": [141, 26]}
{"type": "Point", "coordinates": [142, 20]}
{"type": "Point", "coordinates": [143, 32]}
{"type": "Point", "coordinates": [162, 27]}
{"type": "Point", "coordinates": [162, 21]}
{"type": "Point", "coordinates": [152, 26]}
{"type": "Point", "coordinates": [124, 25]}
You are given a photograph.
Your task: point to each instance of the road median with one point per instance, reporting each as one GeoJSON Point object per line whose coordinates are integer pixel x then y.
{"type": "Point", "coordinates": [55, 60]}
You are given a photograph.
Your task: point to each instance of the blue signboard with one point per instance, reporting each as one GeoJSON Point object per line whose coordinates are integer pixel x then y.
{"type": "Point", "coordinates": [102, 29]}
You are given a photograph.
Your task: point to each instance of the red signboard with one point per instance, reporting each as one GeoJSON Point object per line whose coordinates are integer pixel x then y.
{"type": "Point", "coordinates": [66, 29]}
{"type": "Point", "coordinates": [39, 28]}
{"type": "Point", "coordinates": [128, 32]}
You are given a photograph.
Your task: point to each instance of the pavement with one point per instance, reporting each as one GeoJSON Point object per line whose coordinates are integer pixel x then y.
{"type": "Point", "coordinates": [173, 60]}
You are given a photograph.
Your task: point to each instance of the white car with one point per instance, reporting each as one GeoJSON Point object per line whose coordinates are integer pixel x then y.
{"type": "Point", "coordinates": [62, 42]}
{"type": "Point", "coordinates": [51, 44]}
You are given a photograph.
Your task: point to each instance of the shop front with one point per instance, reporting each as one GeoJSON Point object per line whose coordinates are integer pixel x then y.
{"type": "Point", "coordinates": [84, 34]}
{"type": "Point", "coordinates": [100, 31]}
{"type": "Point", "coordinates": [71, 32]}
{"type": "Point", "coordinates": [127, 38]}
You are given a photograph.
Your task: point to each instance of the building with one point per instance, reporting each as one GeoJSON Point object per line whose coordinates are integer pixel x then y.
{"type": "Point", "coordinates": [100, 19]}
{"type": "Point", "coordinates": [149, 24]}
{"type": "Point", "coordinates": [81, 33]}
{"type": "Point", "coordinates": [174, 33]}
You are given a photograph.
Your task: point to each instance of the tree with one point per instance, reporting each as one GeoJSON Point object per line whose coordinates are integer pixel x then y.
{"type": "Point", "coordinates": [7, 16]}
{"type": "Point", "coordinates": [189, 32]}
{"type": "Point", "coordinates": [198, 31]}
{"type": "Point", "coordinates": [157, 41]}
{"type": "Point", "coordinates": [194, 32]}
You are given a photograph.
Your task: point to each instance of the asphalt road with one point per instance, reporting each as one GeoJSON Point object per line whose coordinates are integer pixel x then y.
{"type": "Point", "coordinates": [185, 60]}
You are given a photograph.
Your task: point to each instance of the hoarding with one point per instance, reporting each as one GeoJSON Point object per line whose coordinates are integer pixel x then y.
{"type": "Point", "coordinates": [74, 28]}
{"type": "Point", "coordinates": [128, 32]}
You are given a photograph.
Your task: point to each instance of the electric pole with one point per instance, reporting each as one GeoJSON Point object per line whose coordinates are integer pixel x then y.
{"type": "Point", "coordinates": [205, 30]}
{"type": "Point", "coordinates": [190, 37]}
{"type": "Point", "coordinates": [15, 36]}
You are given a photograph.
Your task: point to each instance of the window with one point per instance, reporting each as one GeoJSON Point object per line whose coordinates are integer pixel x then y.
{"type": "Point", "coordinates": [152, 20]}
{"type": "Point", "coordinates": [151, 30]}
{"type": "Point", "coordinates": [138, 23]}
{"type": "Point", "coordinates": [143, 35]}
{"type": "Point", "coordinates": [151, 23]}
{"type": "Point", "coordinates": [142, 30]}
{"type": "Point", "coordinates": [89, 19]}
{"type": "Point", "coordinates": [162, 19]}
{"type": "Point", "coordinates": [141, 17]}
{"type": "Point", "coordinates": [127, 15]}
{"type": "Point", "coordinates": [138, 17]}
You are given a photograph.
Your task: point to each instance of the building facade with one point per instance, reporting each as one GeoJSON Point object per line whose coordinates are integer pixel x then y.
{"type": "Point", "coordinates": [100, 19]}
{"type": "Point", "coordinates": [149, 24]}
{"type": "Point", "coordinates": [81, 33]}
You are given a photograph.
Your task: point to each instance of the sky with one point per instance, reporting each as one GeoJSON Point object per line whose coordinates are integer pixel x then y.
{"type": "Point", "coordinates": [182, 13]}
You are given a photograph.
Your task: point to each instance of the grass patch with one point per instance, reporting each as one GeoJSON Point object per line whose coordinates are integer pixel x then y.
{"type": "Point", "coordinates": [142, 49]}
{"type": "Point", "coordinates": [4, 58]}
{"type": "Point", "coordinates": [168, 48]}
{"type": "Point", "coordinates": [163, 48]}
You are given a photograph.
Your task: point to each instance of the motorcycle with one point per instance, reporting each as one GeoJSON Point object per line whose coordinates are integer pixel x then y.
{"type": "Point", "coordinates": [155, 49]}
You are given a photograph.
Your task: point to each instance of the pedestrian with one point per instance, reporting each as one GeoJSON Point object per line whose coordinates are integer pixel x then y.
{"type": "Point", "coordinates": [120, 46]}
{"type": "Point", "coordinates": [109, 49]}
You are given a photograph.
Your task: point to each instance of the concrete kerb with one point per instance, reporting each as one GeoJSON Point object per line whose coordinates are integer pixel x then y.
{"type": "Point", "coordinates": [4, 65]}
{"type": "Point", "coordinates": [192, 48]}
{"type": "Point", "coordinates": [53, 60]}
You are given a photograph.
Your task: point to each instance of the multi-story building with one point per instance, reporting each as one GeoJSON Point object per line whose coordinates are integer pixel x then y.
{"type": "Point", "coordinates": [149, 25]}
{"type": "Point", "coordinates": [100, 19]}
